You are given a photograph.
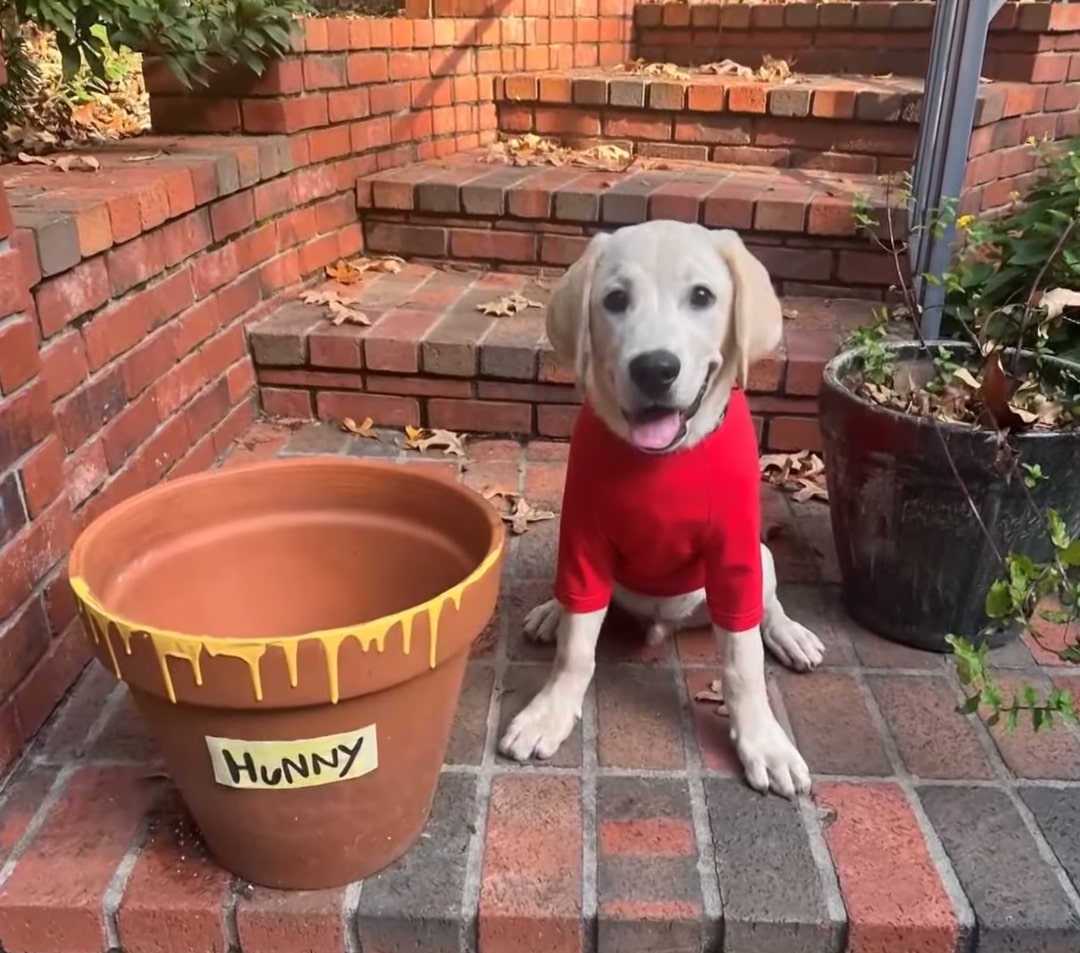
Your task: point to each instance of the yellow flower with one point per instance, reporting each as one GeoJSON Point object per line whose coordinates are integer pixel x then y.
{"type": "Point", "coordinates": [964, 221]}
{"type": "Point", "coordinates": [1014, 196]}
{"type": "Point", "coordinates": [1031, 141]}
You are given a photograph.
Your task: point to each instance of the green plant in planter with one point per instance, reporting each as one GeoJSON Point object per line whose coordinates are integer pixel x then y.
{"type": "Point", "coordinates": [1012, 297]}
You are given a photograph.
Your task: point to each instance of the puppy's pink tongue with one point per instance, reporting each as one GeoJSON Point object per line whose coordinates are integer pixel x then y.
{"type": "Point", "coordinates": [656, 434]}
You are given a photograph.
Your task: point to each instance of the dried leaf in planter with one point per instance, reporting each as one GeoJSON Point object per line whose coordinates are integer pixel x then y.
{"type": "Point", "coordinates": [810, 490]}
{"type": "Point", "coordinates": [1058, 300]}
{"type": "Point", "coordinates": [422, 439]}
{"type": "Point", "coordinates": [996, 392]}
{"type": "Point", "coordinates": [965, 377]}
{"type": "Point", "coordinates": [507, 306]}
{"type": "Point", "coordinates": [362, 429]}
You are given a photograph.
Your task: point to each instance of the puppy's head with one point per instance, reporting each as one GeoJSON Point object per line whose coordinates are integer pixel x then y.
{"type": "Point", "coordinates": [659, 321]}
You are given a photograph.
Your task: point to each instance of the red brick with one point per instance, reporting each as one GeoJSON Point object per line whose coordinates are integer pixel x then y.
{"type": "Point", "coordinates": [530, 895]}
{"type": "Point", "coordinates": [279, 921]}
{"type": "Point", "coordinates": [24, 421]}
{"type": "Point", "coordinates": [556, 420]}
{"type": "Point", "coordinates": [389, 411]}
{"type": "Point", "coordinates": [93, 824]}
{"type": "Point", "coordinates": [748, 98]}
{"type": "Point", "coordinates": [637, 720]}
{"type": "Point", "coordinates": [62, 299]}
{"type": "Point", "coordinates": [647, 837]}
{"type": "Point", "coordinates": [480, 415]}
{"type": "Point", "coordinates": [822, 709]}
{"type": "Point", "coordinates": [286, 115]}
{"type": "Point", "coordinates": [792, 434]}
{"type": "Point", "coordinates": [42, 475]}
{"type": "Point", "coordinates": [175, 889]}
{"type": "Point", "coordinates": [23, 640]}
{"type": "Point", "coordinates": [37, 696]}
{"type": "Point", "coordinates": [286, 402]}
{"type": "Point", "coordinates": [19, 359]}
{"type": "Point", "coordinates": [875, 840]}
{"type": "Point", "coordinates": [393, 343]}
{"type": "Point", "coordinates": [16, 275]}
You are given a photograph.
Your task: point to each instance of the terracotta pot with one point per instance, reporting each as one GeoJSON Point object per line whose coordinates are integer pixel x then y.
{"type": "Point", "coordinates": [334, 601]}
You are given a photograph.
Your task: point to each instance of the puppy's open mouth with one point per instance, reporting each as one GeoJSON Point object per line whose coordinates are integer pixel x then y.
{"type": "Point", "coordinates": [658, 428]}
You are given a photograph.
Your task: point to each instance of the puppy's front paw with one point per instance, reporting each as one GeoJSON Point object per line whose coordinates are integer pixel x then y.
{"type": "Point", "coordinates": [793, 644]}
{"type": "Point", "coordinates": [542, 623]}
{"type": "Point", "coordinates": [540, 729]}
{"type": "Point", "coordinates": [769, 757]}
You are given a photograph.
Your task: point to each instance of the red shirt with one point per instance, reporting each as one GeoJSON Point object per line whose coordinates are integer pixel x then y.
{"type": "Point", "coordinates": [664, 524]}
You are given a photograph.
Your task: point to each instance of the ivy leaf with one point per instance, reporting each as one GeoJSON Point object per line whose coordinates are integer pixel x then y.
{"type": "Point", "coordinates": [999, 602]}
{"type": "Point", "coordinates": [1059, 532]}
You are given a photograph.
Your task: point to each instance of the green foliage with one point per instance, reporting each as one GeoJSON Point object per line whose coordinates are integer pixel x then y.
{"type": "Point", "coordinates": [878, 361]}
{"type": "Point", "coordinates": [1019, 598]}
{"type": "Point", "coordinates": [190, 35]}
{"type": "Point", "coordinates": [23, 76]}
{"type": "Point", "coordinates": [1034, 245]}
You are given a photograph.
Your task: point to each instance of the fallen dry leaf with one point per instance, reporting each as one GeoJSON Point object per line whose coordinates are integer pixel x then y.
{"type": "Point", "coordinates": [642, 67]}
{"type": "Point", "coordinates": [772, 70]}
{"type": "Point", "coordinates": [423, 439]}
{"type": "Point", "coordinates": [68, 163]}
{"type": "Point", "coordinates": [145, 157]}
{"type": "Point", "coordinates": [508, 305]}
{"type": "Point", "coordinates": [515, 509]}
{"type": "Point", "coordinates": [362, 429]}
{"type": "Point", "coordinates": [802, 473]}
{"type": "Point", "coordinates": [339, 310]}
{"type": "Point", "coordinates": [344, 272]}
{"type": "Point", "coordinates": [714, 695]}
{"type": "Point", "coordinates": [524, 513]}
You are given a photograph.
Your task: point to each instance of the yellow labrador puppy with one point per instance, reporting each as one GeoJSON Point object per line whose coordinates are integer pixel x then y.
{"type": "Point", "coordinates": [661, 511]}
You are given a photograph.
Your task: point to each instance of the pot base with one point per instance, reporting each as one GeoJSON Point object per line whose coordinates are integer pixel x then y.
{"type": "Point", "coordinates": [313, 837]}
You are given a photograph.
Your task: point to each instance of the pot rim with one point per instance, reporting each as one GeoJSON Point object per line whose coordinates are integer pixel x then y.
{"type": "Point", "coordinates": [831, 379]}
{"type": "Point", "coordinates": [432, 607]}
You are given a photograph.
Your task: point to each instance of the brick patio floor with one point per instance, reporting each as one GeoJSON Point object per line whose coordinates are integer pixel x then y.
{"type": "Point", "coordinates": [926, 832]}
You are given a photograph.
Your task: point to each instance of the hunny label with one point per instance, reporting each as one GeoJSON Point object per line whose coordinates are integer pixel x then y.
{"type": "Point", "coordinates": [303, 763]}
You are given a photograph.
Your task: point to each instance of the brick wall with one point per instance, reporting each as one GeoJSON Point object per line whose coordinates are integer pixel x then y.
{"type": "Point", "coordinates": [1026, 42]}
{"type": "Point", "coordinates": [40, 649]}
{"type": "Point", "coordinates": [127, 293]}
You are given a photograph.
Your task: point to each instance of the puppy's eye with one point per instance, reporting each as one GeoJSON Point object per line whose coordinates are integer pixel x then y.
{"type": "Point", "coordinates": [616, 301]}
{"type": "Point", "coordinates": [701, 297]}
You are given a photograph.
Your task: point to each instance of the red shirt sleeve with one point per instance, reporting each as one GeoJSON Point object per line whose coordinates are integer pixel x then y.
{"type": "Point", "coordinates": [585, 568]}
{"type": "Point", "coordinates": [733, 572]}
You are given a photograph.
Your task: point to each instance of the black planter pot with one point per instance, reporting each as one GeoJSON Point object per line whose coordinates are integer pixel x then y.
{"type": "Point", "coordinates": [915, 565]}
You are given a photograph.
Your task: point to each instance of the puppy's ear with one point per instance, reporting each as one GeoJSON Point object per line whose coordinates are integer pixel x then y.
{"type": "Point", "coordinates": [757, 315]}
{"type": "Point", "coordinates": [568, 309]}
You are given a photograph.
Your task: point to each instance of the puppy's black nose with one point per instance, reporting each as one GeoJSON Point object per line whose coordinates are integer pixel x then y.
{"type": "Point", "coordinates": [654, 372]}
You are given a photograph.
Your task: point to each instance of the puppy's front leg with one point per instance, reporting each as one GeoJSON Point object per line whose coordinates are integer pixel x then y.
{"type": "Point", "coordinates": [546, 723]}
{"type": "Point", "coordinates": [769, 757]}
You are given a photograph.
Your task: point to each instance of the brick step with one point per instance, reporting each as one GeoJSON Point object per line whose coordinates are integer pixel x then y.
{"type": "Point", "coordinates": [839, 123]}
{"type": "Point", "coordinates": [1027, 43]}
{"type": "Point", "coordinates": [432, 358]}
{"type": "Point", "coordinates": [473, 208]}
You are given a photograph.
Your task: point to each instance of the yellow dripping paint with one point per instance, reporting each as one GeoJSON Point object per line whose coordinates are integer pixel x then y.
{"type": "Point", "coordinates": [167, 644]}
{"type": "Point", "coordinates": [290, 649]}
